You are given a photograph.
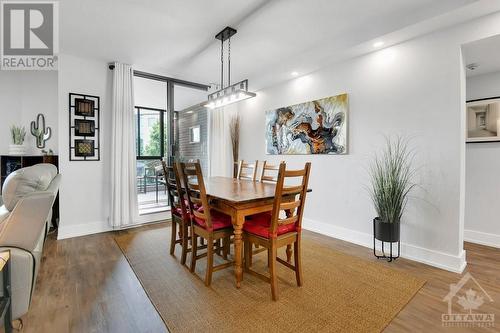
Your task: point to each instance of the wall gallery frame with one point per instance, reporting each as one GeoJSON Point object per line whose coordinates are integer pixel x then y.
{"type": "Point", "coordinates": [315, 127]}
{"type": "Point", "coordinates": [84, 130]}
{"type": "Point", "coordinates": [483, 120]}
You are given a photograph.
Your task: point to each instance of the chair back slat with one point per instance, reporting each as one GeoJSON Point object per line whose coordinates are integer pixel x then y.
{"type": "Point", "coordinates": [195, 191]}
{"type": "Point", "coordinates": [290, 199]}
{"type": "Point", "coordinates": [292, 189]}
{"type": "Point", "coordinates": [269, 173]}
{"type": "Point", "coordinates": [247, 170]}
{"type": "Point", "coordinates": [174, 188]}
{"type": "Point", "coordinates": [288, 220]}
{"type": "Point", "coordinates": [290, 205]}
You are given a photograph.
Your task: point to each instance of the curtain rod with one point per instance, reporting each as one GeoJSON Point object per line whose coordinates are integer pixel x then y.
{"type": "Point", "coordinates": [161, 78]}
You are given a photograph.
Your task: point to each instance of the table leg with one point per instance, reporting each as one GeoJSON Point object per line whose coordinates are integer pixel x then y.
{"type": "Point", "coordinates": [238, 226]}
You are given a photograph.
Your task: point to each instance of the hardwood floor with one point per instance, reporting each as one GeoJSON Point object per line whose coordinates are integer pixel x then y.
{"type": "Point", "coordinates": [86, 285]}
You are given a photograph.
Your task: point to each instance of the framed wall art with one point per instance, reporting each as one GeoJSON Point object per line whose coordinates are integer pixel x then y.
{"type": "Point", "coordinates": [483, 120]}
{"type": "Point", "coordinates": [315, 127]}
{"type": "Point", "coordinates": [84, 129]}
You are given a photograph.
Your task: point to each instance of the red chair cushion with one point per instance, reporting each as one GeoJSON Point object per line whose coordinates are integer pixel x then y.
{"type": "Point", "coordinates": [259, 225]}
{"type": "Point", "coordinates": [219, 220]}
{"type": "Point", "coordinates": [177, 211]}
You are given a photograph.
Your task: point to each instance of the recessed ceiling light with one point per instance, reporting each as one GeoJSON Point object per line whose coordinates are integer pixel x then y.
{"type": "Point", "coordinates": [189, 112]}
{"type": "Point", "coordinates": [295, 73]}
{"type": "Point", "coordinates": [378, 44]}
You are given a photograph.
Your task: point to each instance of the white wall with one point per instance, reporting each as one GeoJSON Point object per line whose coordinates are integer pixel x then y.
{"type": "Point", "coordinates": [23, 95]}
{"type": "Point", "coordinates": [84, 192]}
{"type": "Point", "coordinates": [482, 174]}
{"type": "Point", "coordinates": [415, 88]}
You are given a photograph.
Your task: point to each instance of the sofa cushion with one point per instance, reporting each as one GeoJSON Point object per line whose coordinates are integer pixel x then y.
{"type": "Point", "coordinates": [4, 213]}
{"type": "Point", "coordinates": [25, 181]}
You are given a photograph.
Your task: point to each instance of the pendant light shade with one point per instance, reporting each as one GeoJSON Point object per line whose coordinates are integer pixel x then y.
{"type": "Point", "coordinates": [232, 93]}
{"type": "Point", "coordinates": [229, 95]}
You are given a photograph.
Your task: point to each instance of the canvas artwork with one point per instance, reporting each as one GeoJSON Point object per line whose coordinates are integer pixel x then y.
{"type": "Point", "coordinates": [483, 120]}
{"type": "Point", "coordinates": [316, 127]}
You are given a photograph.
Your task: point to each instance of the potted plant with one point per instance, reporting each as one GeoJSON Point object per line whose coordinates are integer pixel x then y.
{"type": "Point", "coordinates": [391, 182]}
{"type": "Point", "coordinates": [18, 134]}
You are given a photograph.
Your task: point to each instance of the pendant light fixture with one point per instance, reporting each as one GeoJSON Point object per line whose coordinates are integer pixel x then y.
{"type": "Point", "coordinates": [231, 93]}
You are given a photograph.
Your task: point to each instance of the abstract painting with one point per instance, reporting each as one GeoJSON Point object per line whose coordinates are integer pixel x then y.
{"type": "Point", "coordinates": [483, 120]}
{"type": "Point", "coordinates": [316, 127]}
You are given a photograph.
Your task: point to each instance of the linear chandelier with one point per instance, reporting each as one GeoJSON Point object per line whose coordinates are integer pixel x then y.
{"type": "Point", "coordinates": [232, 93]}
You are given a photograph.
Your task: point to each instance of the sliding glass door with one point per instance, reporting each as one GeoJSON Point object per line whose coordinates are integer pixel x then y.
{"type": "Point", "coordinates": [151, 148]}
{"type": "Point", "coordinates": [152, 133]}
{"type": "Point", "coordinates": [171, 125]}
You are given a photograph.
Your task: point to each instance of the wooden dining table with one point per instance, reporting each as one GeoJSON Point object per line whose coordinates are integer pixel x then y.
{"type": "Point", "coordinates": [240, 198]}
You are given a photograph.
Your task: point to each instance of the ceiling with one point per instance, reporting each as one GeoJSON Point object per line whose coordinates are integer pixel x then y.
{"type": "Point", "coordinates": [275, 37]}
{"type": "Point", "coordinates": [485, 53]}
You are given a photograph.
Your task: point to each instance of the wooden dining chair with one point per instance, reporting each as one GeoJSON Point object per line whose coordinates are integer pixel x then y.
{"type": "Point", "coordinates": [179, 210]}
{"type": "Point", "coordinates": [269, 172]}
{"type": "Point", "coordinates": [271, 231]}
{"type": "Point", "coordinates": [205, 222]}
{"type": "Point", "coordinates": [247, 170]}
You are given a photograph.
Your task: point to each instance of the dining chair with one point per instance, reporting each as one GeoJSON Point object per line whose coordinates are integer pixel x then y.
{"type": "Point", "coordinates": [179, 210]}
{"type": "Point", "coordinates": [269, 172]}
{"type": "Point", "coordinates": [271, 231]}
{"type": "Point", "coordinates": [247, 170]}
{"type": "Point", "coordinates": [206, 223]}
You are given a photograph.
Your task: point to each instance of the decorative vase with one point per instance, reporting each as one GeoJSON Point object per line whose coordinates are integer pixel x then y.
{"type": "Point", "coordinates": [386, 233]}
{"type": "Point", "coordinates": [17, 149]}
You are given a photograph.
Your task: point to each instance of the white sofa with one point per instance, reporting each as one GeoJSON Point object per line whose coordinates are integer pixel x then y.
{"type": "Point", "coordinates": [28, 195]}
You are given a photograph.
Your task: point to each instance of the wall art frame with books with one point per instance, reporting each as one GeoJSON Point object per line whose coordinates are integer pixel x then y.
{"type": "Point", "coordinates": [84, 127]}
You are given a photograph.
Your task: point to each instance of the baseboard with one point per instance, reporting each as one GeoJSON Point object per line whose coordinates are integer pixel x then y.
{"type": "Point", "coordinates": [482, 238]}
{"type": "Point", "coordinates": [434, 258]}
{"type": "Point", "coordinates": [78, 230]}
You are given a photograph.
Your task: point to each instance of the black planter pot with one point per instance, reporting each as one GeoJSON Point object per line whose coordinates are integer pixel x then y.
{"type": "Point", "coordinates": [386, 233]}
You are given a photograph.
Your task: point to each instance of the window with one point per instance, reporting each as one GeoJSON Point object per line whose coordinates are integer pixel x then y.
{"type": "Point", "coordinates": [194, 134]}
{"type": "Point", "coordinates": [151, 147]}
{"type": "Point", "coordinates": [151, 138]}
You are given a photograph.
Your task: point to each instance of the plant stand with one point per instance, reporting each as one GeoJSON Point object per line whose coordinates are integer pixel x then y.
{"type": "Point", "coordinates": [391, 237]}
{"type": "Point", "coordinates": [389, 257]}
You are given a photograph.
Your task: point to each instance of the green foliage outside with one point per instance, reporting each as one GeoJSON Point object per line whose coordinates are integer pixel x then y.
{"type": "Point", "coordinates": [153, 148]}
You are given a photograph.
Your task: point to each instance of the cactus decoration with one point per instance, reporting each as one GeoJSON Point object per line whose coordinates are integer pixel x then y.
{"type": "Point", "coordinates": [39, 131]}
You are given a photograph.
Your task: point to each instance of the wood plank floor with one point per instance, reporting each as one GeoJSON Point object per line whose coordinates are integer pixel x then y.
{"type": "Point", "coordinates": [86, 285]}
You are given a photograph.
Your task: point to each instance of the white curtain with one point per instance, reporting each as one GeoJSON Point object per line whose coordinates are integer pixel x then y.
{"type": "Point", "coordinates": [124, 207]}
{"type": "Point", "coordinates": [221, 156]}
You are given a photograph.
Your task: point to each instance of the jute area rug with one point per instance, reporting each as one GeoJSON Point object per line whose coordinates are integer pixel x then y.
{"type": "Point", "coordinates": [341, 293]}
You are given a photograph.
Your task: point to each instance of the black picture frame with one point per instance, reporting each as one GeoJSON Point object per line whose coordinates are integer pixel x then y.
{"type": "Point", "coordinates": [84, 127]}
{"type": "Point", "coordinates": [84, 107]}
{"type": "Point", "coordinates": [84, 148]}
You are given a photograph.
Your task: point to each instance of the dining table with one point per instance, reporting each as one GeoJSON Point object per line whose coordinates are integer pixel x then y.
{"type": "Point", "coordinates": [240, 198]}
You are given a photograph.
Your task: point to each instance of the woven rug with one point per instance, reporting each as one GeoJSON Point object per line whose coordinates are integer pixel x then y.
{"type": "Point", "coordinates": [341, 293]}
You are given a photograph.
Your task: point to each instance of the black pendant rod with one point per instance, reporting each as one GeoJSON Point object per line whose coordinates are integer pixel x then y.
{"type": "Point", "coordinates": [221, 64]}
